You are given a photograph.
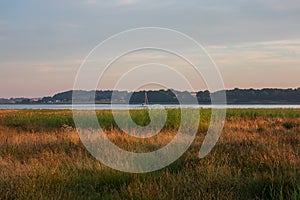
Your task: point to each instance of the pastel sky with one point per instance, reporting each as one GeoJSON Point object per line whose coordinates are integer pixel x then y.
{"type": "Point", "coordinates": [255, 43]}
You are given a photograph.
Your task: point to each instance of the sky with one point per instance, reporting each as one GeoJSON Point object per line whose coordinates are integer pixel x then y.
{"type": "Point", "coordinates": [255, 43]}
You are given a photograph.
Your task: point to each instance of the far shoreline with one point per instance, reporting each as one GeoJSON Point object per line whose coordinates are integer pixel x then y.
{"type": "Point", "coordinates": [140, 106]}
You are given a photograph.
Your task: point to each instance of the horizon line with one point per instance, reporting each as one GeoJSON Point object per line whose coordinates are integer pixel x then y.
{"type": "Point", "coordinates": [227, 89]}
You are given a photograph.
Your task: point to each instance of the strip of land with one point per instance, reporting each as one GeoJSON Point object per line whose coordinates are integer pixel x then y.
{"type": "Point", "coordinates": [235, 96]}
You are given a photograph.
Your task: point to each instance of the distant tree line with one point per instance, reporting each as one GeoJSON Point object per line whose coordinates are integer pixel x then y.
{"type": "Point", "coordinates": [235, 96]}
{"type": "Point", "coordinates": [268, 96]}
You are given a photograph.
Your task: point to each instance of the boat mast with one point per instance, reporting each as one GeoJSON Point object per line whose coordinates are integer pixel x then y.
{"type": "Point", "coordinates": [146, 102]}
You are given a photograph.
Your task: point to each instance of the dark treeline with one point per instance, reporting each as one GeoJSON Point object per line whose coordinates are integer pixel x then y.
{"type": "Point", "coordinates": [270, 96]}
{"type": "Point", "coordinates": [235, 96]}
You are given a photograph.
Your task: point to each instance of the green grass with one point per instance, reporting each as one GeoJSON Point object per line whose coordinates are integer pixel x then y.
{"type": "Point", "coordinates": [49, 120]}
{"type": "Point", "coordinates": [257, 157]}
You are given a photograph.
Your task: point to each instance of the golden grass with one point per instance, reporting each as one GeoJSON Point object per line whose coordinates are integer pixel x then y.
{"type": "Point", "coordinates": [254, 159]}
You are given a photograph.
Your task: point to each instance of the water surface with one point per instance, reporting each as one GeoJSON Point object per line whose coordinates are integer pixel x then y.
{"type": "Point", "coordinates": [124, 107]}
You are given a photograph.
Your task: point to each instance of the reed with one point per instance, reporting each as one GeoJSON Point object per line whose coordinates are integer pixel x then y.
{"type": "Point", "coordinates": [257, 157]}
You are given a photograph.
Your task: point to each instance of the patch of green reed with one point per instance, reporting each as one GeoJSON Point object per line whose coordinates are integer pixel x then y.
{"type": "Point", "coordinates": [49, 120]}
{"type": "Point", "coordinates": [35, 121]}
{"type": "Point", "coordinates": [266, 113]}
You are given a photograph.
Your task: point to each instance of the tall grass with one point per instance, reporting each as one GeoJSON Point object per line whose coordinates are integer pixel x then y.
{"type": "Point", "coordinates": [257, 157]}
{"type": "Point", "coordinates": [49, 120]}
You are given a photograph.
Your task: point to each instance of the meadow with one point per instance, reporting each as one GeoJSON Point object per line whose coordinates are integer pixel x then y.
{"type": "Point", "coordinates": [256, 157]}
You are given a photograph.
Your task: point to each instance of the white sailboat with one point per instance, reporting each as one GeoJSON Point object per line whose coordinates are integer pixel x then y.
{"type": "Point", "coordinates": [146, 101]}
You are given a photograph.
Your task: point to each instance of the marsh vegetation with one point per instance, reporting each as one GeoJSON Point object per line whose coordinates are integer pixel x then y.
{"type": "Point", "coordinates": [257, 157]}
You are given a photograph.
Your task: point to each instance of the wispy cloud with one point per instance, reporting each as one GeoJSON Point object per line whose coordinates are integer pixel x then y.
{"type": "Point", "coordinates": [44, 67]}
{"type": "Point", "coordinates": [90, 2]}
{"type": "Point", "coordinates": [281, 55]}
{"type": "Point", "coordinates": [53, 69]}
{"type": "Point", "coordinates": [259, 64]}
{"type": "Point", "coordinates": [282, 49]}
{"type": "Point", "coordinates": [126, 2]}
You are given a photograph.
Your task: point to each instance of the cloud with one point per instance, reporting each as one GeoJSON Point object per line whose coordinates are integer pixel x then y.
{"type": "Point", "coordinates": [259, 64]}
{"type": "Point", "coordinates": [43, 67]}
{"type": "Point", "coordinates": [126, 2]}
{"type": "Point", "coordinates": [283, 49]}
{"type": "Point", "coordinates": [280, 55]}
{"type": "Point", "coordinates": [53, 69]}
{"type": "Point", "coordinates": [90, 2]}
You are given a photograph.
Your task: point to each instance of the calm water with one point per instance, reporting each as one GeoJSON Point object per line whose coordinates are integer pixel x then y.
{"type": "Point", "coordinates": [123, 107]}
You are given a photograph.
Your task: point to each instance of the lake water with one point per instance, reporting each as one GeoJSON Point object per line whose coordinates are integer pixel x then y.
{"type": "Point", "coordinates": [124, 107]}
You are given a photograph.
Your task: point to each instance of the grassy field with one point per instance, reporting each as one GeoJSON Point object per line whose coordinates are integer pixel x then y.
{"type": "Point", "coordinates": [257, 157]}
